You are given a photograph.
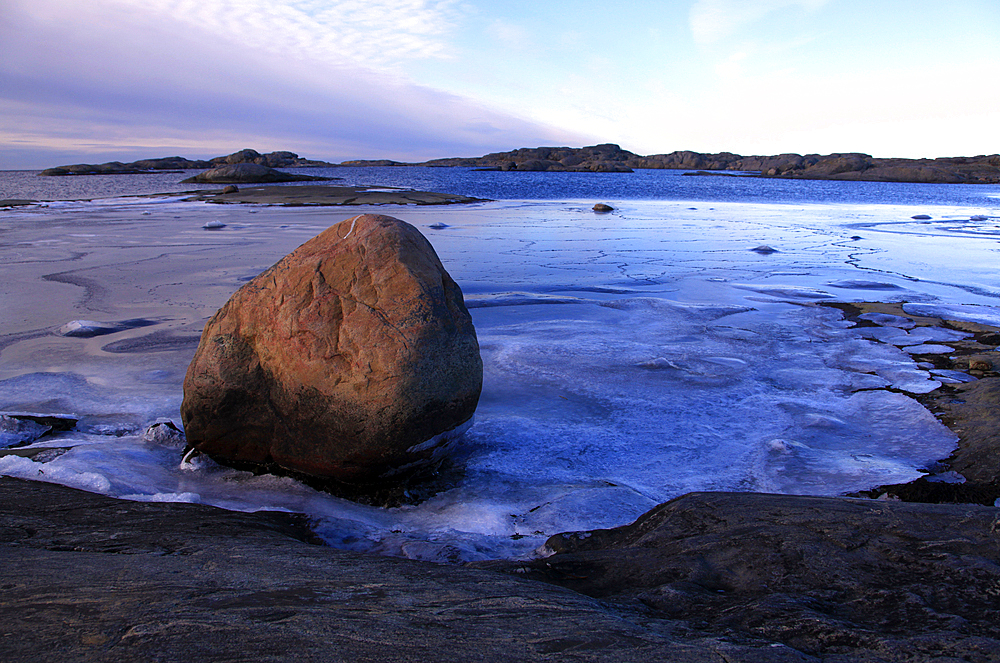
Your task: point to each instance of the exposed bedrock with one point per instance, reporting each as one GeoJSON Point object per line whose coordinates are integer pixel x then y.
{"type": "Point", "coordinates": [704, 578]}
{"type": "Point", "coordinates": [346, 360]}
{"type": "Point", "coordinates": [248, 173]}
{"type": "Point", "coordinates": [839, 579]}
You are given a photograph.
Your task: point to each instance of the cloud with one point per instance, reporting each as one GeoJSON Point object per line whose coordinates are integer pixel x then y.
{"type": "Point", "coordinates": [508, 33]}
{"type": "Point", "coordinates": [318, 78]}
{"type": "Point", "coordinates": [375, 33]}
{"type": "Point", "coordinates": [714, 20]}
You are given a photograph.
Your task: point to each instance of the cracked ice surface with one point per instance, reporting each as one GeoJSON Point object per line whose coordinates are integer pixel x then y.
{"type": "Point", "coordinates": [629, 357]}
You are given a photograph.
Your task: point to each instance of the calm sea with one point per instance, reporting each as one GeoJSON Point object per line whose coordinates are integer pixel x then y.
{"type": "Point", "coordinates": [639, 185]}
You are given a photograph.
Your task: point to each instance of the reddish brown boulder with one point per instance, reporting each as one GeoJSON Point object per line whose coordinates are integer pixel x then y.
{"type": "Point", "coordinates": [340, 361]}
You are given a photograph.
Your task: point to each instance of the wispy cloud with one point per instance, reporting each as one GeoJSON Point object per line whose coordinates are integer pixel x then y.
{"type": "Point", "coordinates": [375, 33]}
{"type": "Point", "coordinates": [714, 20]}
{"type": "Point", "coordinates": [319, 78]}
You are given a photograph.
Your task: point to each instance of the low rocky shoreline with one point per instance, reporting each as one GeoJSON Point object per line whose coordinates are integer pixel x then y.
{"type": "Point", "coordinates": [304, 195]}
{"type": "Point", "coordinates": [180, 164]}
{"type": "Point", "coordinates": [610, 158]}
{"type": "Point", "coordinates": [972, 473]}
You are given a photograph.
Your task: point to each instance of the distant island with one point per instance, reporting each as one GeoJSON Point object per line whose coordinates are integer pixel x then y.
{"type": "Point", "coordinates": [270, 160]}
{"type": "Point", "coordinates": [610, 158]}
{"type": "Point", "coordinates": [849, 166]}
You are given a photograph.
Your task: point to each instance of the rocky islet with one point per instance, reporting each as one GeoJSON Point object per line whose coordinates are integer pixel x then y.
{"type": "Point", "coordinates": [982, 169]}
{"type": "Point", "coordinates": [611, 158]}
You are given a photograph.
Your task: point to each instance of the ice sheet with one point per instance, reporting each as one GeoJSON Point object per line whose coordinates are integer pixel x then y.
{"type": "Point", "coordinates": [629, 357]}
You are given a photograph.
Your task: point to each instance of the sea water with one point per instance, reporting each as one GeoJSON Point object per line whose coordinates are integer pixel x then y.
{"type": "Point", "coordinates": [629, 357]}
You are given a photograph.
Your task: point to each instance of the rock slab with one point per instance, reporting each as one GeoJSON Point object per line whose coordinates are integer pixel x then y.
{"type": "Point", "coordinates": [248, 173]}
{"type": "Point", "coordinates": [838, 579]}
{"type": "Point", "coordinates": [342, 361]}
{"type": "Point", "coordinates": [104, 580]}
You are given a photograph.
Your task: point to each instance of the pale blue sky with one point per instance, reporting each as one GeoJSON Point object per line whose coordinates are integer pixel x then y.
{"type": "Point", "coordinates": [418, 79]}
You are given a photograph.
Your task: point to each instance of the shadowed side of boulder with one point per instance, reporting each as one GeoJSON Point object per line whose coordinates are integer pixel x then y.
{"type": "Point", "coordinates": [341, 361]}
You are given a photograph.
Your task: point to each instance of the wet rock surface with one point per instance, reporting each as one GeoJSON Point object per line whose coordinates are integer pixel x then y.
{"type": "Point", "coordinates": [834, 578]}
{"type": "Point", "coordinates": [342, 361]}
{"type": "Point", "coordinates": [98, 579]}
{"type": "Point", "coordinates": [706, 577]}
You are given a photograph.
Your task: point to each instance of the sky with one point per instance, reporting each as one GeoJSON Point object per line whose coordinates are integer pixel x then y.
{"type": "Point", "coordinates": [411, 80]}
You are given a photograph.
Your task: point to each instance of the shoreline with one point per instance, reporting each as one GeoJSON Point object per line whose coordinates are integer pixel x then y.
{"type": "Point", "coordinates": [303, 195]}
{"type": "Point", "coordinates": [318, 195]}
{"type": "Point", "coordinates": [967, 409]}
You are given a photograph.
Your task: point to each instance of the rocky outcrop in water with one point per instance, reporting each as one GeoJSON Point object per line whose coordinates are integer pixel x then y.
{"type": "Point", "coordinates": [607, 158]}
{"type": "Point", "coordinates": [345, 360]}
{"type": "Point", "coordinates": [271, 160]}
{"type": "Point", "coordinates": [983, 169]}
{"type": "Point", "coordinates": [248, 173]}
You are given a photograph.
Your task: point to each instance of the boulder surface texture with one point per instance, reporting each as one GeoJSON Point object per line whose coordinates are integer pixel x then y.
{"type": "Point", "coordinates": [339, 360]}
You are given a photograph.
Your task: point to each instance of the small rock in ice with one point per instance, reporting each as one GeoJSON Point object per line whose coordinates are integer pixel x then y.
{"type": "Point", "coordinates": [438, 226]}
{"type": "Point", "coordinates": [979, 217]}
{"type": "Point", "coordinates": [778, 446]}
{"type": "Point", "coordinates": [87, 328]}
{"type": "Point", "coordinates": [165, 433]}
{"type": "Point", "coordinates": [764, 250]}
{"type": "Point", "coordinates": [603, 208]}
{"type": "Point", "coordinates": [658, 364]}
{"type": "Point", "coordinates": [921, 217]}
{"type": "Point", "coordinates": [215, 224]}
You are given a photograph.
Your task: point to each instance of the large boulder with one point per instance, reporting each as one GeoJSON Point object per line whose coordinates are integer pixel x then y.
{"type": "Point", "coordinates": [346, 360]}
{"type": "Point", "coordinates": [248, 173]}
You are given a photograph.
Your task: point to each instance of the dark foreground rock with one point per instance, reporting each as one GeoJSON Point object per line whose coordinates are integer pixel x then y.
{"type": "Point", "coordinates": [88, 578]}
{"type": "Point", "coordinates": [342, 361]}
{"type": "Point", "coordinates": [706, 578]}
{"type": "Point", "coordinates": [838, 579]}
{"type": "Point", "coordinates": [248, 173]}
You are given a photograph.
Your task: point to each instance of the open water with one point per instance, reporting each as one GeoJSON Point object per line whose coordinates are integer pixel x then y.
{"type": "Point", "coordinates": [629, 357]}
